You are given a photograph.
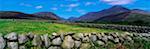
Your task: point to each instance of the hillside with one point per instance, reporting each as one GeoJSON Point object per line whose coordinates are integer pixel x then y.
{"type": "Point", "coordinates": [116, 14]}
{"type": "Point", "coordinates": [20, 15]}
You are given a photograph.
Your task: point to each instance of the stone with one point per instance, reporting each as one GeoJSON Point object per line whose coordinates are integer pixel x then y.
{"type": "Point", "coordinates": [22, 47]}
{"type": "Point", "coordinates": [85, 46]}
{"type": "Point", "coordinates": [54, 34]}
{"type": "Point", "coordinates": [86, 39]}
{"type": "Point", "coordinates": [93, 38]}
{"type": "Point", "coordinates": [54, 47]}
{"type": "Point", "coordinates": [22, 38]}
{"type": "Point", "coordinates": [68, 42]}
{"type": "Point", "coordinates": [37, 40]}
{"type": "Point", "coordinates": [77, 44]}
{"type": "Point", "coordinates": [2, 43]}
{"type": "Point", "coordinates": [128, 38]}
{"type": "Point", "coordinates": [100, 43]}
{"type": "Point", "coordinates": [30, 35]}
{"type": "Point", "coordinates": [105, 38]}
{"type": "Point", "coordinates": [11, 36]}
{"type": "Point", "coordinates": [110, 38]}
{"type": "Point", "coordinates": [12, 45]}
{"type": "Point", "coordinates": [116, 40]}
{"type": "Point", "coordinates": [99, 36]}
{"type": "Point", "coordinates": [62, 36]}
{"type": "Point", "coordinates": [46, 40]}
{"type": "Point", "coordinates": [57, 41]}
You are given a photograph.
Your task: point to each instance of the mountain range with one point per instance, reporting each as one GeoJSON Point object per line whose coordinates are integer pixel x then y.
{"type": "Point", "coordinates": [114, 14]}
{"type": "Point", "coordinates": [20, 15]}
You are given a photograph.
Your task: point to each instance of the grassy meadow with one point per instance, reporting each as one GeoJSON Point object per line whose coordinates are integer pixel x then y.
{"type": "Point", "coordinates": [44, 27]}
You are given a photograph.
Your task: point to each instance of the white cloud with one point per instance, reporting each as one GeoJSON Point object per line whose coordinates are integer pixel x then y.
{"type": "Point", "coordinates": [74, 5]}
{"type": "Point", "coordinates": [89, 3]}
{"type": "Point", "coordinates": [117, 2]}
{"type": "Point", "coordinates": [39, 7]}
{"type": "Point", "coordinates": [25, 4]}
{"type": "Point", "coordinates": [54, 8]}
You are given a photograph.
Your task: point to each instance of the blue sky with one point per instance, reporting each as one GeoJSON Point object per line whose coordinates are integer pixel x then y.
{"type": "Point", "coordinates": [69, 8]}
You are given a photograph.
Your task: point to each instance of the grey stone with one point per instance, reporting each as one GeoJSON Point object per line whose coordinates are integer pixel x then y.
{"type": "Point", "coordinates": [54, 47]}
{"type": "Point", "coordinates": [12, 45]}
{"type": "Point", "coordinates": [46, 40]}
{"type": "Point", "coordinates": [99, 36]}
{"type": "Point", "coordinates": [22, 38]}
{"type": "Point", "coordinates": [22, 47]}
{"type": "Point", "coordinates": [68, 42]}
{"type": "Point", "coordinates": [85, 46]}
{"type": "Point", "coordinates": [93, 38]}
{"type": "Point", "coordinates": [54, 34]}
{"type": "Point", "coordinates": [37, 40]}
{"type": "Point", "coordinates": [110, 38]}
{"type": "Point", "coordinates": [11, 36]}
{"type": "Point", "coordinates": [30, 35]}
{"type": "Point", "coordinates": [77, 44]}
{"type": "Point", "coordinates": [116, 40]}
{"type": "Point", "coordinates": [105, 38]}
{"type": "Point", "coordinates": [100, 42]}
{"type": "Point", "coordinates": [57, 41]}
{"type": "Point", "coordinates": [2, 43]}
{"type": "Point", "coordinates": [86, 39]}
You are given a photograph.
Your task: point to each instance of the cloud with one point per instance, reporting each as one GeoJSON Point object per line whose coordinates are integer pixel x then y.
{"type": "Point", "coordinates": [39, 7]}
{"type": "Point", "coordinates": [89, 3]}
{"type": "Point", "coordinates": [54, 8]}
{"type": "Point", "coordinates": [117, 2]}
{"type": "Point", "coordinates": [74, 5]}
{"type": "Point", "coordinates": [25, 4]}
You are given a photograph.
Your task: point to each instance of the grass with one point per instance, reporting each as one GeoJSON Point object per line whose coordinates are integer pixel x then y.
{"type": "Point", "coordinates": [44, 27]}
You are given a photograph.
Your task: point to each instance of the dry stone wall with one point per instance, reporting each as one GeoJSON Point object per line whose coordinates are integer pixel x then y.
{"type": "Point", "coordinates": [129, 28]}
{"type": "Point", "coordinates": [65, 40]}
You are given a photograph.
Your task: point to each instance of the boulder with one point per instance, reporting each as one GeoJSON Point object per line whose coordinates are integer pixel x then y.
{"type": "Point", "coordinates": [12, 45]}
{"type": "Point", "coordinates": [11, 36]}
{"type": "Point", "coordinates": [2, 43]}
{"type": "Point", "coordinates": [77, 44]}
{"type": "Point", "coordinates": [57, 41]}
{"type": "Point", "coordinates": [54, 47]}
{"type": "Point", "coordinates": [86, 39]}
{"type": "Point", "coordinates": [68, 42]}
{"type": "Point", "coordinates": [22, 38]}
{"type": "Point", "coordinates": [22, 47]}
{"type": "Point", "coordinates": [93, 38]}
{"type": "Point", "coordinates": [46, 40]}
{"type": "Point", "coordinates": [30, 35]}
{"type": "Point", "coordinates": [85, 46]}
{"type": "Point", "coordinates": [100, 43]}
{"type": "Point", "coordinates": [37, 40]}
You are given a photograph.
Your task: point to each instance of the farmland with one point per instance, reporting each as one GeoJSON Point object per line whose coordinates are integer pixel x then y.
{"type": "Point", "coordinates": [7, 26]}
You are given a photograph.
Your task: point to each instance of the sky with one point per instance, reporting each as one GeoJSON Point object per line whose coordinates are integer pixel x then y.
{"type": "Point", "coordinates": [69, 8]}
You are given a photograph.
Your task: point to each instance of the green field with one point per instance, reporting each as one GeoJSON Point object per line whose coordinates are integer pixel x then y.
{"type": "Point", "coordinates": [44, 27]}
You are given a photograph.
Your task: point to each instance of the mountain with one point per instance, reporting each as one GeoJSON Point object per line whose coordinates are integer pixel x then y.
{"type": "Point", "coordinates": [72, 19]}
{"type": "Point", "coordinates": [116, 14]}
{"type": "Point", "coordinates": [16, 15]}
{"type": "Point", "coordinates": [47, 15]}
{"type": "Point", "coordinates": [20, 15]}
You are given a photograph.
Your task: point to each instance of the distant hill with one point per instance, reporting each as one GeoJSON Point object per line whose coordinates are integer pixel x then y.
{"type": "Point", "coordinates": [20, 15]}
{"type": "Point", "coordinates": [47, 15]}
{"type": "Point", "coordinates": [116, 14]}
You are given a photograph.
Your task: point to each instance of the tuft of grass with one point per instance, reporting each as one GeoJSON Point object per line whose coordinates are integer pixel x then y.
{"type": "Point", "coordinates": [45, 27]}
